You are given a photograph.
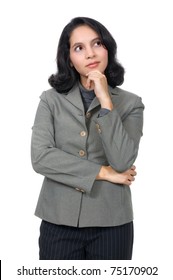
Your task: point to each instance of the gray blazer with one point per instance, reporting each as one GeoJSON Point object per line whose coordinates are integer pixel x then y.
{"type": "Point", "coordinates": [69, 147]}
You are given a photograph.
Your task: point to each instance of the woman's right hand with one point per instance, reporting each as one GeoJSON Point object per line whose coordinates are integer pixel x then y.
{"type": "Point", "coordinates": [107, 173]}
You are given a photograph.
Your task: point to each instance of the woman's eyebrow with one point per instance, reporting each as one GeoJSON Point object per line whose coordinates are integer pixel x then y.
{"type": "Point", "coordinates": [81, 43]}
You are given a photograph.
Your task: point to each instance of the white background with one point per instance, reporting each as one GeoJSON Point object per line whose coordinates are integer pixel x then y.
{"type": "Point", "coordinates": [29, 37]}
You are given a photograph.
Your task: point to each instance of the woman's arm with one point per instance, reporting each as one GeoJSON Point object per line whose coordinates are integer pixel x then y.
{"type": "Point", "coordinates": [53, 162]}
{"type": "Point", "coordinates": [120, 138]}
{"type": "Point", "coordinates": [109, 174]}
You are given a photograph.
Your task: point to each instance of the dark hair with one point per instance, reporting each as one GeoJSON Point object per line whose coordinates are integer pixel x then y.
{"type": "Point", "coordinates": [66, 76]}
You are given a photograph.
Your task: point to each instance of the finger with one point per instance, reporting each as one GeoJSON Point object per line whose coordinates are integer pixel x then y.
{"type": "Point", "coordinates": [132, 178]}
{"type": "Point", "coordinates": [88, 83]}
{"type": "Point", "coordinates": [129, 182]}
{"type": "Point", "coordinates": [131, 173]}
{"type": "Point", "coordinates": [134, 173]}
{"type": "Point", "coordinates": [133, 167]}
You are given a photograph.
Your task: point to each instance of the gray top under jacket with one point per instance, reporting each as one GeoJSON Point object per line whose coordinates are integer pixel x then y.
{"type": "Point", "coordinates": [87, 98]}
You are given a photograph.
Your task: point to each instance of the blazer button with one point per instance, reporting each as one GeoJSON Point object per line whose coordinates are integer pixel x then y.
{"type": "Point", "coordinates": [88, 115]}
{"type": "Point", "coordinates": [98, 128]}
{"type": "Point", "coordinates": [83, 133]}
{"type": "Point", "coordinates": [81, 153]}
{"type": "Point", "coordinates": [79, 190]}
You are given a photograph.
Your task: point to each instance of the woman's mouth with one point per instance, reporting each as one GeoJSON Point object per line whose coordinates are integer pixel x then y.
{"type": "Point", "coordinates": [93, 64]}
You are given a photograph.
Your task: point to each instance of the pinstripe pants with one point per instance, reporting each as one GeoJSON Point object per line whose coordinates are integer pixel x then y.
{"type": "Point", "coordinates": [57, 242]}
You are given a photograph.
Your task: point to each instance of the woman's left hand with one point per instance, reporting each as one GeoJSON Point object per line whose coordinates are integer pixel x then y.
{"type": "Point", "coordinates": [98, 82]}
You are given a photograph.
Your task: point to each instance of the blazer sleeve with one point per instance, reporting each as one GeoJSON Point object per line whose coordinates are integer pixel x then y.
{"type": "Point", "coordinates": [55, 163]}
{"type": "Point", "coordinates": [121, 135]}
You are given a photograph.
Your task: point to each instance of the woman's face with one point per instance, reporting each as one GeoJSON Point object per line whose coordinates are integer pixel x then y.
{"type": "Point", "coordinates": [86, 52]}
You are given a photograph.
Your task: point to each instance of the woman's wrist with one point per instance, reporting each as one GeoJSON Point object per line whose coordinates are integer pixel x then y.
{"type": "Point", "coordinates": [102, 175]}
{"type": "Point", "coordinates": [107, 104]}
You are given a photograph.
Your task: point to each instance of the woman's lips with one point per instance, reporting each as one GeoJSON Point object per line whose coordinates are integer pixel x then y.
{"type": "Point", "coordinates": [93, 64]}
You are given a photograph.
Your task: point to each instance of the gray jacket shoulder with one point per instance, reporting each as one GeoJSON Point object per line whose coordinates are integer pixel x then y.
{"type": "Point", "coordinates": [49, 94]}
{"type": "Point", "coordinates": [125, 99]}
{"type": "Point", "coordinates": [124, 94]}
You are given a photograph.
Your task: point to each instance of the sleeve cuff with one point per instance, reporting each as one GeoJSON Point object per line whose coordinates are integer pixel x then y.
{"type": "Point", "coordinates": [103, 112]}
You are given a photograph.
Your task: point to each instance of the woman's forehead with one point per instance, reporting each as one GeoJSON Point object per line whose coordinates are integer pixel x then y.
{"type": "Point", "coordinates": [83, 33]}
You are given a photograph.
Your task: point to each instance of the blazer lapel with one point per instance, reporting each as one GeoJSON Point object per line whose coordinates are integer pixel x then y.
{"type": "Point", "coordinates": [74, 97]}
{"type": "Point", "coordinates": [94, 104]}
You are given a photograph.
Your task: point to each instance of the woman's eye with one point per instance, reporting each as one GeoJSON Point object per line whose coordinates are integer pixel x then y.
{"type": "Point", "coordinates": [78, 48]}
{"type": "Point", "coordinates": [98, 43]}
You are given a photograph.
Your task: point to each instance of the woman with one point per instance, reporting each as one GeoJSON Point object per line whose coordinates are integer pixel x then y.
{"type": "Point", "coordinates": [85, 141]}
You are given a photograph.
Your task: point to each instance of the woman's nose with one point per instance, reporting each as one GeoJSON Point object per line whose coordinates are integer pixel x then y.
{"type": "Point", "coordinates": [89, 53]}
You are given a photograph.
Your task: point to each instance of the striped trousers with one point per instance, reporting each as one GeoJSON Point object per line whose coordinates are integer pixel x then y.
{"type": "Point", "coordinates": [58, 242]}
